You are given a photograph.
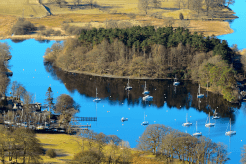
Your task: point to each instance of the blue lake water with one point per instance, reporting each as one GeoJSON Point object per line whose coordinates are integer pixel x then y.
{"type": "Point", "coordinates": [238, 25]}
{"type": "Point", "coordinates": [169, 107]}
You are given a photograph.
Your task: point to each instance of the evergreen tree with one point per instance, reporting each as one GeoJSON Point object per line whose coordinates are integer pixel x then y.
{"type": "Point", "coordinates": [49, 99]}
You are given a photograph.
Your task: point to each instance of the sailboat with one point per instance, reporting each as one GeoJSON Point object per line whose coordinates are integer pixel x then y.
{"type": "Point", "coordinates": [96, 99]}
{"type": "Point", "coordinates": [215, 116]}
{"type": "Point", "coordinates": [128, 87]}
{"type": "Point", "coordinates": [187, 122]}
{"type": "Point", "coordinates": [209, 124]}
{"type": "Point", "coordinates": [145, 92]}
{"type": "Point", "coordinates": [145, 122]}
{"type": "Point", "coordinates": [147, 98]}
{"type": "Point", "coordinates": [199, 95]}
{"type": "Point", "coordinates": [230, 132]}
{"type": "Point", "coordinates": [124, 119]}
{"type": "Point", "coordinates": [197, 133]}
{"type": "Point", "coordinates": [176, 83]}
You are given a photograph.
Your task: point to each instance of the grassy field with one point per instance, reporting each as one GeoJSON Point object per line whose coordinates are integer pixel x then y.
{"type": "Point", "coordinates": [102, 11]}
{"type": "Point", "coordinates": [26, 8]}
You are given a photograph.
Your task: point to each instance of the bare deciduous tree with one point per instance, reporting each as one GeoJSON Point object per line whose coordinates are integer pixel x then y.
{"type": "Point", "coordinates": [151, 139]}
{"type": "Point", "coordinates": [66, 107]}
{"type": "Point", "coordinates": [143, 5]}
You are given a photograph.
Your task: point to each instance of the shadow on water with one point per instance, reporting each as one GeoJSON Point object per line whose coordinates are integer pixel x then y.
{"type": "Point", "coordinates": [17, 40]}
{"type": "Point", "coordinates": [163, 91]}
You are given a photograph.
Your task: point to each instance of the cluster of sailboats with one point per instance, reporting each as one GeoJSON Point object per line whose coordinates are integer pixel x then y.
{"type": "Point", "coordinates": [209, 124]}
{"type": "Point", "coordinates": [147, 97]}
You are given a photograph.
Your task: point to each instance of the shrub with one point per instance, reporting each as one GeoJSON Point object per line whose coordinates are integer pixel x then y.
{"type": "Point", "coordinates": [181, 16]}
{"type": "Point", "coordinates": [41, 27]}
{"type": "Point", "coordinates": [88, 157]}
{"type": "Point", "coordinates": [51, 153]}
{"type": "Point", "coordinates": [57, 33]}
{"type": "Point", "coordinates": [23, 27]}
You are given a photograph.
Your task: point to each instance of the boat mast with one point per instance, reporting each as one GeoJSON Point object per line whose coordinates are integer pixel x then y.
{"type": "Point", "coordinates": [230, 124]}
{"type": "Point", "coordinates": [196, 126]}
{"type": "Point", "coordinates": [145, 86]}
{"type": "Point", "coordinates": [96, 93]}
{"type": "Point", "coordinates": [186, 117]}
{"type": "Point", "coordinates": [199, 90]}
{"type": "Point", "coordinates": [209, 116]}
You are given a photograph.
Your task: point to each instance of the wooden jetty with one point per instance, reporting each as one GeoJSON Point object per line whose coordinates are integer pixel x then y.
{"type": "Point", "coordinates": [84, 119]}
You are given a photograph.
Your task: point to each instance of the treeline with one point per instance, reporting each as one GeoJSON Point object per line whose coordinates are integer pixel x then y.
{"type": "Point", "coordinates": [20, 145]}
{"type": "Point", "coordinates": [149, 52]}
{"type": "Point", "coordinates": [4, 80]}
{"type": "Point", "coordinates": [168, 144]}
{"type": "Point", "coordinates": [101, 148]}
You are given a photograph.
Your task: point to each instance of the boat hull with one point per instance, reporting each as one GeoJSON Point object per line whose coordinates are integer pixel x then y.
{"type": "Point", "coordinates": [187, 124]}
{"type": "Point", "coordinates": [209, 125]}
{"type": "Point", "coordinates": [229, 133]}
{"type": "Point", "coordinates": [176, 83]}
{"type": "Point", "coordinates": [200, 96]}
{"type": "Point", "coordinates": [197, 134]}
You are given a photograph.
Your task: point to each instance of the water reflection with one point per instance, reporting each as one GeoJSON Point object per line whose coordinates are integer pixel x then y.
{"type": "Point", "coordinates": [17, 40]}
{"type": "Point", "coordinates": [163, 91]}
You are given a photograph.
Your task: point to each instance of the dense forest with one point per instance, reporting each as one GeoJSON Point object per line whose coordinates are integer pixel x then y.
{"type": "Point", "coordinates": [146, 52]}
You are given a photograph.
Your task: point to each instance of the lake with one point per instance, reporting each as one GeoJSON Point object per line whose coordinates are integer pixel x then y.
{"type": "Point", "coordinates": [169, 106]}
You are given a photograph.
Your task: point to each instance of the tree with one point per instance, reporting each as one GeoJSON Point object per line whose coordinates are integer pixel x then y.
{"type": "Point", "coordinates": [66, 107]}
{"type": "Point", "coordinates": [156, 3]}
{"type": "Point", "coordinates": [243, 154]}
{"type": "Point", "coordinates": [77, 2]}
{"type": "Point", "coordinates": [151, 139]}
{"type": "Point", "coordinates": [209, 4]}
{"type": "Point", "coordinates": [28, 99]}
{"type": "Point", "coordinates": [49, 99]}
{"type": "Point", "coordinates": [29, 145]}
{"type": "Point", "coordinates": [181, 16]}
{"type": "Point", "coordinates": [125, 152]}
{"type": "Point", "coordinates": [5, 52]}
{"type": "Point", "coordinates": [4, 82]}
{"type": "Point", "coordinates": [179, 3]}
{"type": "Point", "coordinates": [59, 2]}
{"type": "Point", "coordinates": [88, 156]}
{"type": "Point", "coordinates": [196, 5]}
{"type": "Point", "coordinates": [90, 3]}
{"type": "Point", "coordinates": [51, 153]}
{"type": "Point", "coordinates": [230, 2]}
{"type": "Point", "coordinates": [143, 5]}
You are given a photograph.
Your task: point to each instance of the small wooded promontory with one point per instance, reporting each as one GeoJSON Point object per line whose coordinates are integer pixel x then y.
{"type": "Point", "coordinates": [148, 52]}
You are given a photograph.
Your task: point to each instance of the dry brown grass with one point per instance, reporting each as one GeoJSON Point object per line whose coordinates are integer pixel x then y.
{"type": "Point", "coordinates": [6, 23]}
{"type": "Point", "coordinates": [97, 17]}
{"type": "Point", "coordinates": [28, 8]}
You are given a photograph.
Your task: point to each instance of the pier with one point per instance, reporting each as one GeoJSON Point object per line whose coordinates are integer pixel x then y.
{"type": "Point", "coordinates": [84, 119]}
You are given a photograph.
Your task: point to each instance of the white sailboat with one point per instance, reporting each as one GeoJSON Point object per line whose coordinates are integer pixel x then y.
{"type": "Point", "coordinates": [215, 116]}
{"type": "Point", "coordinates": [187, 122]}
{"type": "Point", "coordinates": [197, 133]}
{"type": "Point", "coordinates": [230, 132]}
{"type": "Point", "coordinates": [209, 124]}
{"type": "Point", "coordinates": [145, 92]}
{"type": "Point", "coordinates": [147, 98]}
{"type": "Point", "coordinates": [176, 83]}
{"type": "Point", "coordinates": [145, 122]}
{"type": "Point", "coordinates": [124, 119]}
{"type": "Point", "coordinates": [128, 87]}
{"type": "Point", "coordinates": [96, 99]}
{"type": "Point", "coordinates": [199, 95]}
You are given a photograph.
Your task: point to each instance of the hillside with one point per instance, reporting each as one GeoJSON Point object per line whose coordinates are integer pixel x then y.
{"type": "Point", "coordinates": [20, 8]}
